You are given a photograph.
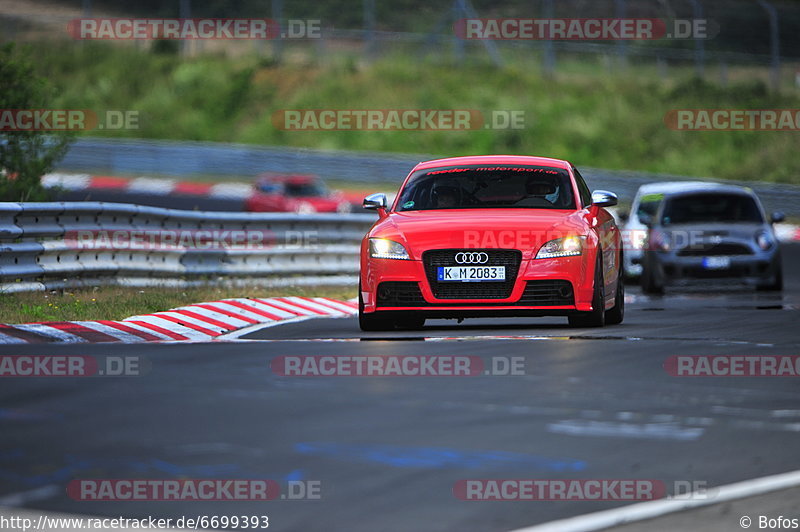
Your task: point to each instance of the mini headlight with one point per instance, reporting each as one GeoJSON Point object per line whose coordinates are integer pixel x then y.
{"type": "Point", "coordinates": [763, 240]}
{"type": "Point", "coordinates": [383, 248]}
{"type": "Point", "coordinates": [561, 247]}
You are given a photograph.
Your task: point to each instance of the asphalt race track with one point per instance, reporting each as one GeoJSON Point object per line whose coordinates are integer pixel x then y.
{"type": "Point", "coordinates": [594, 404]}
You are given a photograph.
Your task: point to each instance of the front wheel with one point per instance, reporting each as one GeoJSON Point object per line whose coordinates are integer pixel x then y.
{"type": "Point", "coordinates": [651, 281]}
{"type": "Point", "coordinates": [777, 283]}
{"type": "Point", "coordinates": [597, 316]}
{"type": "Point", "coordinates": [615, 315]}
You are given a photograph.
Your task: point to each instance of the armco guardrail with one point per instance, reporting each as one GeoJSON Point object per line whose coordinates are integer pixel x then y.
{"type": "Point", "coordinates": [56, 245]}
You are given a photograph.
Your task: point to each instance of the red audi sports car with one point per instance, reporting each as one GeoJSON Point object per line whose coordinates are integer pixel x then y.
{"type": "Point", "coordinates": [302, 194]}
{"type": "Point", "coordinates": [491, 236]}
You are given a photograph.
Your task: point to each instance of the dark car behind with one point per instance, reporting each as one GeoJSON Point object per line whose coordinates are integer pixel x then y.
{"type": "Point", "coordinates": [711, 231]}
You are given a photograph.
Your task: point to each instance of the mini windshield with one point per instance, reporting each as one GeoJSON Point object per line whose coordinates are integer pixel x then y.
{"type": "Point", "coordinates": [488, 187]}
{"type": "Point", "coordinates": [648, 205]}
{"type": "Point", "coordinates": [711, 208]}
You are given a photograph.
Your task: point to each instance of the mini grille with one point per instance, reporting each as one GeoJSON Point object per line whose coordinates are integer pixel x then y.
{"type": "Point", "coordinates": [704, 250]}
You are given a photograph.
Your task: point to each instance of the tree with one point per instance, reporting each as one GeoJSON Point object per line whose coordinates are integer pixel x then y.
{"type": "Point", "coordinates": [25, 156]}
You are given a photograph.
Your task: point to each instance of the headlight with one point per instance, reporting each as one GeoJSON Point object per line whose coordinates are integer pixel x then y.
{"type": "Point", "coordinates": [763, 240]}
{"type": "Point", "coordinates": [382, 248]}
{"type": "Point", "coordinates": [637, 238]}
{"type": "Point", "coordinates": [561, 247]}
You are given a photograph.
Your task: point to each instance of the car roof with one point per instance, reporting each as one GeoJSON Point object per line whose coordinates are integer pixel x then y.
{"type": "Point", "coordinates": [674, 188]}
{"type": "Point", "coordinates": [494, 159]}
{"type": "Point", "coordinates": [671, 186]}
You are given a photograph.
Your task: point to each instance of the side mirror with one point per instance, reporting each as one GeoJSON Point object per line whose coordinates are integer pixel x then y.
{"type": "Point", "coordinates": [376, 202]}
{"type": "Point", "coordinates": [624, 216]}
{"type": "Point", "coordinates": [777, 217]}
{"type": "Point", "coordinates": [604, 198]}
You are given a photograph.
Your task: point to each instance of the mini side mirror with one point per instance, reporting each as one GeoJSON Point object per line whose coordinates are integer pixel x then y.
{"type": "Point", "coordinates": [777, 217]}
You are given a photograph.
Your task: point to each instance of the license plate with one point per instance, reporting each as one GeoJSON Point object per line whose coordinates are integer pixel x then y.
{"type": "Point", "coordinates": [716, 263]}
{"type": "Point", "coordinates": [467, 274]}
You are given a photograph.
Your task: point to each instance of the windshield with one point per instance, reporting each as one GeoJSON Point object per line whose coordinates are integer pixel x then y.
{"type": "Point", "coordinates": [648, 205]}
{"type": "Point", "coordinates": [306, 189]}
{"type": "Point", "coordinates": [488, 187]}
{"type": "Point", "coordinates": [711, 208]}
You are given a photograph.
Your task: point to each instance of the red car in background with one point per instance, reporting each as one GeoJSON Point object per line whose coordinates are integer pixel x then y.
{"type": "Point", "coordinates": [491, 236]}
{"type": "Point", "coordinates": [303, 194]}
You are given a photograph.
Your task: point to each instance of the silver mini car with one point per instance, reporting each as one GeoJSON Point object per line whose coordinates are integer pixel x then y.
{"type": "Point", "coordinates": [707, 231]}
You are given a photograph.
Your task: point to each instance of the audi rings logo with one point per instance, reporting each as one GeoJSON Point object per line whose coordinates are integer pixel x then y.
{"type": "Point", "coordinates": [472, 257]}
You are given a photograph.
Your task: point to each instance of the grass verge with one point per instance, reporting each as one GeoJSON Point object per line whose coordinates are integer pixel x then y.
{"type": "Point", "coordinates": [116, 303]}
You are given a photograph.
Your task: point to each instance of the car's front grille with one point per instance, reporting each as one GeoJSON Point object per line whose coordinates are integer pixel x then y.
{"type": "Point", "coordinates": [712, 249]}
{"type": "Point", "coordinates": [510, 258]}
{"type": "Point", "coordinates": [547, 293]}
{"type": "Point", "coordinates": [399, 294]}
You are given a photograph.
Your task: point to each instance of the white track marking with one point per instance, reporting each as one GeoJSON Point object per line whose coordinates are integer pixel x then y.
{"type": "Point", "coordinates": [148, 331]}
{"type": "Point", "coordinates": [314, 305]}
{"type": "Point", "coordinates": [652, 509]}
{"type": "Point", "coordinates": [655, 431]}
{"type": "Point", "coordinates": [122, 336]}
{"type": "Point", "coordinates": [235, 335]}
{"type": "Point", "coordinates": [281, 313]}
{"type": "Point", "coordinates": [196, 321]}
{"type": "Point", "coordinates": [347, 309]}
{"type": "Point", "coordinates": [151, 185]}
{"type": "Point", "coordinates": [52, 332]}
{"type": "Point", "coordinates": [288, 306]}
{"type": "Point", "coordinates": [218, 316]}
{"type": "Point", "coordinates": [8, 339]}
{"type": "Point", "coordinates": [191, 334]}
{"type": "Point", "coordinates": [233, 309]}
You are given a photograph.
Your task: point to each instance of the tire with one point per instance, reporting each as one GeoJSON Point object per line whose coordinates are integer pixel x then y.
{"type": "Point", "coordinates": [615, 315]}
{"type": "Point", "coordinates": [597, 316]}
{"type": "Point", "coordinates": [373, 321]}
{"type": "Point", "coordinates": [777, 284]}
{"type": "Point", "coordinates": [651, 283]}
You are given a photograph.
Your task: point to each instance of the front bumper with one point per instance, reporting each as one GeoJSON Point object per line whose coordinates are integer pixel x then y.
{"type": "Point", "coordinates": [751, 269]}
{"type": "Point", "coordinates": [543, 287]}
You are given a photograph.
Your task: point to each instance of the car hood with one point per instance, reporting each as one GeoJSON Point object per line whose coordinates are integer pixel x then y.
{"type": "Point", "coordinates": [524, 229]}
